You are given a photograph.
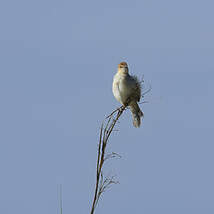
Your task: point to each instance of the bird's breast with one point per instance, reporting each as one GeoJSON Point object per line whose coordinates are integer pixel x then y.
{"type": "Point", "coordinates": [120, 88]}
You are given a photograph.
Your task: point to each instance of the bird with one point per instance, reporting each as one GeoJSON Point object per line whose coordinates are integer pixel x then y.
{"type": "Point", "coordinates": [127, 91]}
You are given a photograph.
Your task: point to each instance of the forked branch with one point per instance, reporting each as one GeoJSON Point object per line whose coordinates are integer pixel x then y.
{"type": "Point", "coordinates": [102, 183]}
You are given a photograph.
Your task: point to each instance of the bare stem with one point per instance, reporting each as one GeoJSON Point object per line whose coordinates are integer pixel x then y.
{"type": "Point", "coordinates": [103, 183]}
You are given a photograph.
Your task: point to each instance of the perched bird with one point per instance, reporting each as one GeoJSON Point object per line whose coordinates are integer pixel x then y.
{"type": "Point", "coordinates": [127, 91]}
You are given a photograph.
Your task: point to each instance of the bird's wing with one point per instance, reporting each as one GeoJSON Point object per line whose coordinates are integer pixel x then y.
{"type": "Point", "coordinates": [135, 87]}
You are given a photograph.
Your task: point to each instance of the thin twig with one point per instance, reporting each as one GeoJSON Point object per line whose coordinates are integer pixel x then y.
{"type": "Point", "coordinates": [144, 102]}
{"type": "Point", "coordinates": [146, 92]}
{"type": "Point", "coordinates": [118, 109]}
{"type": "Point", "coordinates": [103, 183]}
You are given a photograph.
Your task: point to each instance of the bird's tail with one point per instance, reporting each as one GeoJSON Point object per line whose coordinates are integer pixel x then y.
{"type": "Point", "coordinates": [136, 114]}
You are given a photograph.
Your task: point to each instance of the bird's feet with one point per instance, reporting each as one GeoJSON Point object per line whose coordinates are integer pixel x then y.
{"type": "Point", "coordinates": [127, 102]}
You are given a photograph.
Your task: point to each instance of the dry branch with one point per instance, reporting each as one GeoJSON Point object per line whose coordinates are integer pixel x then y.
{"type": "Point", "coordinates": [103, 183]}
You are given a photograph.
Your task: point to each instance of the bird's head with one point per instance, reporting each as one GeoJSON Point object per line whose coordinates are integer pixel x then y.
{"type": "Point", "coordinates": [123, 68]}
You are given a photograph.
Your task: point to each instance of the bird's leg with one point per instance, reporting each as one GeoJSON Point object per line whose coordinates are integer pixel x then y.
{"type": "Point", "coordinates": [127, 102]}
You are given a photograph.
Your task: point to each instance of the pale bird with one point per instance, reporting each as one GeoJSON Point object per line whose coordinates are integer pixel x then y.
{"type": "Point", "coordinates": [127, 91]}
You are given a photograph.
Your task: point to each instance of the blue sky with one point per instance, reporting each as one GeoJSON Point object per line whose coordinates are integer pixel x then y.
{"type": "Point", "coordinates": [58, 59]}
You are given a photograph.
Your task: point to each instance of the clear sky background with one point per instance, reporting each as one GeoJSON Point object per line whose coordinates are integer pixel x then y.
{"type": "Point", "coordinates": [57, 61]}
